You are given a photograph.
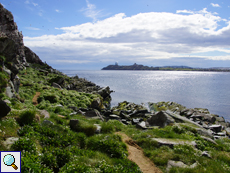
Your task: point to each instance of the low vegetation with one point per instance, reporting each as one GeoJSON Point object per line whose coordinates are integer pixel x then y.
{"type": "Point", "coordinates": [58, 148]}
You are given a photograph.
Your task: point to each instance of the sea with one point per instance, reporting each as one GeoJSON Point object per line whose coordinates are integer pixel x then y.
{"type": "Point", "coordinates": [209, 90]}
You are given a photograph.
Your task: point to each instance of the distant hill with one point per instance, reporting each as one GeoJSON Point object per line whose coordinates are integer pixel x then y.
{"type": "Point", "coordinates": [166, 68]}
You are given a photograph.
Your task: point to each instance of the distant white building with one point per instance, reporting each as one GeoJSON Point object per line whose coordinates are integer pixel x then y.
{"type": "Point", "coordinates": [116, 63]}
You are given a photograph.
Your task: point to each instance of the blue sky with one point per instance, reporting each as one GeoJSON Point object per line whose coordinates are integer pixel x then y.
{"type": "Point", "coordinates": [91, 34]}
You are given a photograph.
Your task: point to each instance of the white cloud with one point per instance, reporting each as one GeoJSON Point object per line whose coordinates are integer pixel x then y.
{"type": "Point", "coordinates": [141, 37]}
{"type": "Point", "coordinates": [58, 11]}
{"type": "Point", "coordinates": [34, 4]}
{"type": "Point", "coordinates": [91, 11]}
{"type": "Point", "coordinates": [215, 5]}
{"type": "Point", "coordinates": [185, 11]}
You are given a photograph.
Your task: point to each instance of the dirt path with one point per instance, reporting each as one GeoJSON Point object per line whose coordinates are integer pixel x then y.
{"type": "Point", "coordinates": [35, 99]}
{"type": "Point", "coordinates": [136, 155]}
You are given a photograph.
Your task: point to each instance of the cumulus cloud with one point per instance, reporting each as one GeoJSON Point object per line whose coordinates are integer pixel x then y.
{"type": "Point", "coordinates": [215, 5]}
{"type": "Point", "coordinates": [142, 37]}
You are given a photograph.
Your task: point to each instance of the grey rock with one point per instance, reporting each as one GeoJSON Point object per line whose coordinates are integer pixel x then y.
{"type": "Point", "coordinates": [206, 154]}
{"type": "Point", "coordinates": [209, 140]}
{"type": "Point", "coordinates": [114, 117]}
{"type": "Point", "coordinates": [55, 85]}
{"type": "Point", "coordinates": [141, 125]}
{"type": "Point", "coordinates": [220, 119]}
{"type": "Point", "coordinates": [9, 92]}
{"type": "Point", "coordinates": [31, 57]}
{"type": "Point", "coordinates": [93, 113]}
{"type": "Point", "coordinates": [136, 120]}
{"type": "Point", "coordinates": [179, 164]}
{"type": "Point", "coordinates": [204, 132]}
{"type": "Point", "coordinates": [5, 109]}
{"type": "Point", "coordinates": [160, 119]}
{"type": "Point", "coordinates": [73, 113]}
{"type": "Point", "coordinates": [47, 122]}
{"type": "Point", "coordinates": [10, 141]}
{"type": "Point", "coordinates": [209, 118]}
{"type": "Point", "coordinates": [44, 113]}
{"type": "Point", "coordinates": [96, 103]}
{"type": "Point", "coordinates": [216, 128]}
{"type": "Point", "coordinates": [98, 130]}
{"type": "Point", "coordinates": [104, 92]}
{"type": "Point", "coordinates": [7, 101]}
{"type": "Point", "coordinates": [171, 142]}
{"type": "Point", "coordinates": [221, 134]}
{"type": "Point", "coordinates": [16, 83]}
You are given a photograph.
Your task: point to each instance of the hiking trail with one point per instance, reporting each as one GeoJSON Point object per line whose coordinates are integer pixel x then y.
{"type": "Point", "coordinates": [136, 155]}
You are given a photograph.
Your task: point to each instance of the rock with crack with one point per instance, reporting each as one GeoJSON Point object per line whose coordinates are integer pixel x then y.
{"type": "Point", "coordinates": [179, 164]}
{"type": "Point", "coordinates": [5, 109]}
{"type": "Point", "coordinates": [10, 141]}
{"type": "Point", "coordinates": [160, 119]}
{"type": "Point", "coordinates": [171, 142]}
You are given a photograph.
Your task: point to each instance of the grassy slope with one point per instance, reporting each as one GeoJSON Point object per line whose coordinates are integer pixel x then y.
{"type": "Point", "coordinates": [57, 148]}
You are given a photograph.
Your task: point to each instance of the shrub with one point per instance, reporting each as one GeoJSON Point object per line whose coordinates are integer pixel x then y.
{"type": "Point", "coordinates": [55, 158]}
{"type": "Point", "coordinates": [85, 127]}
{"type": "Point", "coordinates": [32, 163]}
{"type": "Point", "coordinates": [27, 117]}
{"type": "Point", "coordinates": [24, 144]}
{"type": "Point", "coordinates": [110, 145]}
{"type": "Point", "coordinates": [107, 127]}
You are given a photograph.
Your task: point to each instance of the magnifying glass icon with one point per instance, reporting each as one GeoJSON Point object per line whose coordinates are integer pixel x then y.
{"type": "Point", "coordinates": [9, 160]}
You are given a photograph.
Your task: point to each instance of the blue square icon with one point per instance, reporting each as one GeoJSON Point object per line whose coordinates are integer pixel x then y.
{"type": "Point", "coordinates": [10, 161]}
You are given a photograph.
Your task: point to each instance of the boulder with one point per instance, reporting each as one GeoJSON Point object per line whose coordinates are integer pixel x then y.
{"type": "Point", "coordinates": [141, 125]}
{"type": "Point", "coordinates": [114, 117]}
{"type": "Point", "coordinates": [171, 142]}
{"type": "Point", "coordinates": [5, 109]}
{"type": "Point", "coordinates": [31, 57]}
{"type": "Point", "coordinates": [10, 141]}
{"type": "Point", "coordinates": [220, 119]}
{"type": "Point", "coordinates": [55, 85]}
{"type": "Point", "coordinates": [179, 164]}
{"type": "Point", "coordinates": [96, 103]}
{"type": "Point", "coordinates": [93, 113]}
{"type": "Point", "coordinates": [98, 130]}
{"type": "Point", "coordinates": [216, 128]}
{"type": "Point", "coordinates": [44, 113]}
{"type": "Point", "coordinates": [104, 92]}
{"type": "Point", "coordinates": [47, 122]}
{"type": "Point", "coordinates": [206, 154]}
{"type": "Point", "coordinates": [160, 119]}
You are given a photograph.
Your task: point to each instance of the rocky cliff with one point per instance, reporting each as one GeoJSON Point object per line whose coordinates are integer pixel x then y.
{"type": "Point", "coordinates": [11, 43]}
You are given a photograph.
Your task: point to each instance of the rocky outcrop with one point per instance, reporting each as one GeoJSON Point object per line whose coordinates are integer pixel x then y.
{"type": "Point", "coordinates": [160, 119]}
{"type": "Point", "coordinates": [5, 109]}
{"type": "Point", "coordinates": [31, 57]}
{"type": "Point", "coordinates": [11, 40]}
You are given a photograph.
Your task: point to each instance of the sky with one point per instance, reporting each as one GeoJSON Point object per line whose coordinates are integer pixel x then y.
{"type": "Point", "coordinates": [91, 34]}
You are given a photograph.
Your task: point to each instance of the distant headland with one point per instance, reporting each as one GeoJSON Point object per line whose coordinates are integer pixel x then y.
{"type": "Point", "coordinates": [165, 68]}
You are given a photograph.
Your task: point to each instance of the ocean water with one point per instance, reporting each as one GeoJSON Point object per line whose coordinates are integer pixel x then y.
{"type": "Point", "coordinates": [192, 89]}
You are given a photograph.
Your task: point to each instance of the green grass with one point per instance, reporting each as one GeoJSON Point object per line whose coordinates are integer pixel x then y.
{"type": "Point", "coordinates": [57, 148]}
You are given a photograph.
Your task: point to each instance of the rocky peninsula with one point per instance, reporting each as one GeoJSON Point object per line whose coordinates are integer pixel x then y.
{"type": "Point", "coordinates": [66, 124]}
{"type": "Point", "coordinates": [164, 68]}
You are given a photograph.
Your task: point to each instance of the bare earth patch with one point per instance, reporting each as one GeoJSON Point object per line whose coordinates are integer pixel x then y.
{"type": "Point", "coordinates": [35, 99]}
{"type": "Point", "coordinates": [136, 155]}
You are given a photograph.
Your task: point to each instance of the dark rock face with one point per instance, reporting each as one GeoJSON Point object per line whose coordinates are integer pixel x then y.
{"type": "Point", "coordinates": [12, 46]}
{"type": "Point", "coordinates": [5, 109]}
{"type": "Point", "coordinates": [31, 57]}
{"type": "Point", "coordinates": [160, 119]}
